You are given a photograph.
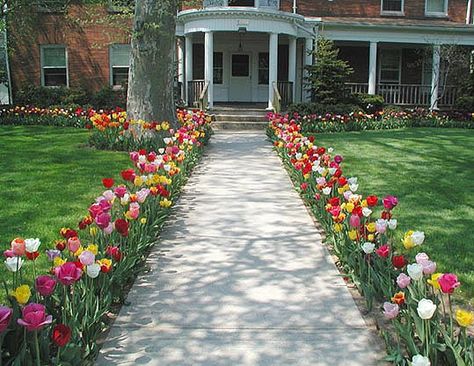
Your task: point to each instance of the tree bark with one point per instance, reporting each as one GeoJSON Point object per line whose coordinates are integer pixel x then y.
{"type": "Point", "coordinates": [151, 77]}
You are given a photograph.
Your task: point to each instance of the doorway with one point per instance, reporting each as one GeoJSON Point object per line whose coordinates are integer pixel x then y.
{"type": "Point", "coordinates": [240, 78]}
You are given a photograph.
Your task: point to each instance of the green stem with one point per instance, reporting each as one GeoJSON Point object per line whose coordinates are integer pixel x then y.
{"type": "Point", "coordinates": [1, 347]}
{"type": "Point", "coordinates": [450, 315]}
{"type": "Point", "coordinates": [38, 355]}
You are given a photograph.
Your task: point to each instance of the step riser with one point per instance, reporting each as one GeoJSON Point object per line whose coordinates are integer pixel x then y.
{"type": "Point", "coordinates": [239, 126]}
{"type": "Point", "coordinates": [240, 118]}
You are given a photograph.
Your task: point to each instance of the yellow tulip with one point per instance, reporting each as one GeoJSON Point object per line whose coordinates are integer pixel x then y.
{"type": "Point", "coordinates": [93, 248]}
{"type": "Point", "coordinates": [138, 181]}
{"type": "Point", "coordinates": [165, 203]}
{"type": "Point", "coordinates": [22, 294]}
{"type": "Point", "coordinates": [370, 237]}
{"type": "Point", "coordinates": [79, 251]}
{"type": "Point", "coordinates": [349, 207]}
{"type": "Point", "coordinates": [143, 220]}
{"type": "Point", "coordinates": [371, 227]}
{"type": "Point", "coordinates": [464, 318]}
{"type": "Point", "coordinates": [353, 235]}
{"type": "Point", "coordinates": [433, 281]}
{"type": "Point", "coordinates": [58, 261]}
{"type": "Point", "coordinates": [337, 228]}
{"type": "Point", "coordinates": [93, 231]}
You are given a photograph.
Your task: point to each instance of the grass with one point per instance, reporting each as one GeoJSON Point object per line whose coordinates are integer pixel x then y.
{"type": "Point", "coordinates": [48, 179]}
{"type": "Point", "coordinates": [431, 171]}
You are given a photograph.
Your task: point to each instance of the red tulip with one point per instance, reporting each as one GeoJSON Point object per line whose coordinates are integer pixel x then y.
{"type": "Point", "coordinates": [108, 182]}
{"type": "Point", "coordinates": [121, 226]}
{"type": "Point", "coordinates": [61, 335]}
{"type": "Point", "coordinates": [398, 261]}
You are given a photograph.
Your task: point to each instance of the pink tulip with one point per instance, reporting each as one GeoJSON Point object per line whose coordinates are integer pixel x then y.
{"type": "Point", "coordinates": [95, 210]}
{"type": "Point", "coordinates": [108, 230]}
{"type": "Point", "coordinates": [45, 285]}
{"type": "Point", "coordinates": [73, 244]}
{"type": "Point", "coordinates": [5, 316]}
{"type": "Point", "coordinates": [87, 258]}
{"type": "Point", "coordinates": [390, 202]}
{"type": "Point", "coordinates": [34, 317]}
{"type": "Point", "coordinates": [429, 267]}
{"type": "Point", "coordinates": [448, 283]}
{"type": "Point", "coordinates": [103, 220]}
{"type": "Point", "coordinates": [18, 247]}
{"type": "Point", "coordinates": [68, 273]}
{"type": "Point", "coordinates": [105, 205]}
{"type": "Point", "coordinates": [120, 191]}
{"type": "Point", "coordinates": [403, 280]}
{"type": "Point", "coordinates": [421, 257]}
{"type": "Point", "coordinates": [354, 221]}
{"type": "Point", "coordinates": [8, 253]}
{"type": "Point", "coordinates": [383, 251]}
{"type": "Point", "coordinates": [390, 311]}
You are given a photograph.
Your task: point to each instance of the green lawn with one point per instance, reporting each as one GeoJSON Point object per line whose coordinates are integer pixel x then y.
{"type": "Point", "coordinates": [431, 171]}
{"type": "Point", "coordinates": [48, 179]}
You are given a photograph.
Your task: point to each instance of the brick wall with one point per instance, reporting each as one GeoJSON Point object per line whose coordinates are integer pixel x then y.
{"type": "Point", "coordinates": [87, 34]}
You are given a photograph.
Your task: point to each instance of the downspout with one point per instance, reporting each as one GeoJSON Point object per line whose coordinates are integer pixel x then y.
{"type": "Point", "coordinates": [468, 13]}
{"type": "Point", "coordinates": [7, 61]}
{"type": "Point", "coordinates": [295, 8]}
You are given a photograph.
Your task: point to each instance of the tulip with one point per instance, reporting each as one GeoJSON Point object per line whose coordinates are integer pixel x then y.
{"type": "Point", "coordinates": [366, 212]}
{"type": "Point", "coordinates": [433, 281]}
{"type": "Point", "coordinates": [18, 247]}
{"type": "Point", "coordinates": [14, 263]}
{"type": "Point", "coordinates": [108, 182]}
{"type": "Point", "coordinates": [426, 309]}
{"type": "Point", "coordinates": [448, 282]}
{"type": "Point", "coordinates": [5, 316]}
{"type": "Point", "coordinates": [93, 270]}
{"type": "Point", "coordinates": [429, 267]}
{"type": "Point", "coordinates": [398, 261]}
{"type": "Point", "coordinates": [463, 317]}
{"type": "Point", "coordinates": [8, 253]}
{"type": "Point", "coordinates": [390, 311]}
{"type": "Point", "coordinates": [418, 237]}
{"type": "Point", "coordinates": [73, 244]}
{"type": "Point", "coordinates": [389, 202]}
{"type": "Point", "coordinates": [32, 245]}
{"type": "Point", "coordinates": [68, 273]}
{"type": "Point", "coordinates": [421, 257]}
{"type": "Point", "coordinates": [403, 280]}
{"type": "Point", "coordinates": [415, 271]}
{"type": "Point", "coordinates": [354, 221]}
{"type": "Point", "coordinates": [381, 226]}
{"type": "Point", "coordinates": [34, 317]}
{"type": "Point", "coordinates": [87, 258]}
{"type": "Point", "coordinates": [399, 298]}
{"type": "Point", "coordinates": [61, 335]}
{"type": "Point", "coordinates": [383, 251]}
{"type": "Point", "coordinates": [52, 253]}
{"type": "Point", "coordinates": [103, 220]}
{"type": "Point", "coordinates": [419, 360]}
{"type": "Point", "coordinates": [392, 224]}
{"type": "Point", "coordinates": [22, 294]}
{"type": "Point", "coordinates": [121, 226]}
{"type": "Point", "coordinates": [45, 285]}
{"type": "Point", "coordinates": [368, 247]}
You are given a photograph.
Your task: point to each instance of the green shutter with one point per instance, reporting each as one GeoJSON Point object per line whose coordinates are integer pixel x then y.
{"type": "Point", "coordinates": [120, 55]}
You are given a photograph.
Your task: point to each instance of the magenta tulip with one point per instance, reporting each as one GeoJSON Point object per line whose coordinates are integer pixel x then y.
{"type": "Point", "coordinates": [68, 273]}
{"type": "Point", "coordinates": [34, 317]}
{"type": "Point", "coordinates": [448, 283]}
{"type": "Point", "coordinates": [45, 285]}
{"type": "Point", "coordinates": [5, 316]}
{"type": "Point", "coordinates": [390, 202]}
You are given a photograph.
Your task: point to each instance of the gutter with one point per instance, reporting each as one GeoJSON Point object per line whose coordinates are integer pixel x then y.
{"type": "Point", "coordinates": [295, 8]}
{"type": "Point", "coordinates": [468, 13]}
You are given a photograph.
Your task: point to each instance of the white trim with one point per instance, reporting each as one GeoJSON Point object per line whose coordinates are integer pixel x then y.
{"type": "Point", "coordinates": [42, 67]}
{"type": "Point", "coordinates": [391, 12]}
{"type": "Point", "coordinates": [111, 67]}
{"type": "Point", "coordinates": [436, 14]}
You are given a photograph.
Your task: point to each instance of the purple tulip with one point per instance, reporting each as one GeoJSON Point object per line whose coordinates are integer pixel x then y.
{"type": "Point", "coordinates": [403, 280]}
{"type": "Point", "coordinates": [52, 253]}
{"type": "Point", "coordinates": [87, 258]}
{"type": "Point", "coordinates": [390, 311]}
{"type": "Point", "coordinates": [5, 316]}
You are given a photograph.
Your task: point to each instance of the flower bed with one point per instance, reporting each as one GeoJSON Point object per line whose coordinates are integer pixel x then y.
{"type": "Point", "coordinates": [30, 115]}
{"type": "Point", "coordinates": [57, 319]}
{"type": "Point", "coordinates": [417, 302]}
{"type": "Point", "coordinates": [383, 120]}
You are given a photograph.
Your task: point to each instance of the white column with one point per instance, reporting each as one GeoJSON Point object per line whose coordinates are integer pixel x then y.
{"type": "Point", "coordinates": [292, 64]}
{"type": "Point", "coordinates": [435, 77]}
{"type": "Point", "coordinates": [181, 65]}
{"type": "Point", "coordinates": [272, 66]}
{"type": "Point", "coordinates": [308, 61]}
{"type": "Point", "coordinates": [188, 65]}
{"type": "Point", "coordinates": [372, 68]}
{"type": "Point", "coordinates": [209, 65]}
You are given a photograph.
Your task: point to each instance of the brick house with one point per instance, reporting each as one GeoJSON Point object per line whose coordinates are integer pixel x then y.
{"type": "Point", "coordinates": [249, 50]}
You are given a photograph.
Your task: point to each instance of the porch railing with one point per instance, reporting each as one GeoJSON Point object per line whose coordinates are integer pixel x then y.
{"type": "Point", "coordinates": [285, 89]}
{"type": "Point", "coordinates": [409, 94]}
{"type": "Point", "coordinates": [195, 88]}
{"type": "Point", "coordinates": [204, 97]}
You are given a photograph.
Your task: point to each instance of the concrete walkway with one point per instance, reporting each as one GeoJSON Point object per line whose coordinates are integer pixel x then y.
{"type": "Point", "coordinates": [240, 276]}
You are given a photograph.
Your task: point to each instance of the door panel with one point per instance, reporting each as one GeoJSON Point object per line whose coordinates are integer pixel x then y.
{"type": "Point", "coordinates": [240, 78]}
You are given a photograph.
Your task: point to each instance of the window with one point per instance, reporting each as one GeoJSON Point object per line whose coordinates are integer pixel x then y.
{"type": "Point", "coordinates": [218, 68]}
{"type": "Point", "coordinates": [240, 65]}
{"type": "Point", "coordinates": [119, 64]}
{"type": "Point", "coordinates": [54, 66]}
{"type": "Point", "coordinates": [241, 2]}
{"type": "Point", "coordinates": [437, 8]}
{"type": "Point", "coordinates": [392, 7]}
{"type": "Point", "coordinates": [263, 69]}
{"type": "Point", "coordinates": [121, 6]}
{"type": "Point", "coordinates": [198, 61]}
{"type": "Point", "coordinates": [390, 62]}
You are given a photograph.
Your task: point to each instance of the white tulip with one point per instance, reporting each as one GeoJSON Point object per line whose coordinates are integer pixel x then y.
{"type": "Point", "coordinates": [392, 224]}
{"type": "Point", "coordinates": [426, 309]}
{"type": "Point", "coordinates": [330, 150]}
{"type": "Point", "coordinates": [415, 271]}
{"type": "Point", "coordinates": [14, 263]}
{"type": "Point", "coordinates": [321, 170]}
{"type": "Point", "coordinates": [327, 191]}
{"type": "Point", "coordinates": [353, 187]}
{"type": "Point", "coordinates": [368, 247]}
{"type": "Point", "coordinates": [298, 156]}
{"type": "Point", "coordinates": [332, 171]}
{"type": "Point", "coordinates": [366, 211]}
{"type": "Point", "coordinates": [352, 180]}
{"type": "Point", "coordinates": [420, 360]}
{"type": "Point", "coordinates": [32, 245]}
{"type": "Point", "coordinates": [93, 270]}
{"type": "Point", "coordinates": [418, 237]}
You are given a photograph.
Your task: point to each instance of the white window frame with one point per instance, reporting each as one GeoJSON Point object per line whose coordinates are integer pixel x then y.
{"type": "Point", "coordinates": [390, 12]}
{"type": "Point", "coordinates": [399, 67]}
{"type": "Point", "coordinates": [46, 46]}
{"type": "Point", "coordinates": [436, 14]}
{"type": "Point", "coordinates": [111, 67]}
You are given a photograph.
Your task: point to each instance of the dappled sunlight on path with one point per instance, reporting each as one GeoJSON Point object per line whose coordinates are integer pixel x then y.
{"type": "Point", "coordinates": [240, 276]}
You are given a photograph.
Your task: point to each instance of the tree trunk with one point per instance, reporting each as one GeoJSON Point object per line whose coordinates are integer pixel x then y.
{"type": "Point", "coordinates": [151, 78]}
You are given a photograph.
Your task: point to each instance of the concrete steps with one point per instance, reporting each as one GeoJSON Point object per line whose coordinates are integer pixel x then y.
{"type": "Point", "coordinates": [239, 118]}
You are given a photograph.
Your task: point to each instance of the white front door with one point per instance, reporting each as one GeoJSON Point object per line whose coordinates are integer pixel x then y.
{"type": "Point", "coordinates": [240, 78]}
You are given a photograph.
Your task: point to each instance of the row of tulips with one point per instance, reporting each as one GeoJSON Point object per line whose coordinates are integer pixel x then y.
{"type": "Point", "coordinates": [357, 121]}
{"type": "Point", "coordinates": [57, 319]}
{"type": "Point", "coordinates": [424, 327]}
